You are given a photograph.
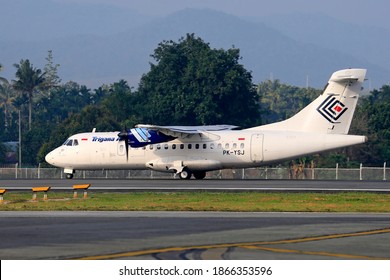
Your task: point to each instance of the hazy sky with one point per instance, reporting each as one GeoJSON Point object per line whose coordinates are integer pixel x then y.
{"type": "Point", "coordinates": [373, 12]}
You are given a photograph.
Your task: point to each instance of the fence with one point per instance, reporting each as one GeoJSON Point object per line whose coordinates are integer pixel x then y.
{"type": "Point", "coordinates": [362, 173]}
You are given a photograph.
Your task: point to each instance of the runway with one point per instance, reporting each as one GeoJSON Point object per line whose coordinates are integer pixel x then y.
{"type": "Point", "coordinates": [204, 185]}
{"type": "Point", "coordinates": [193, 235]}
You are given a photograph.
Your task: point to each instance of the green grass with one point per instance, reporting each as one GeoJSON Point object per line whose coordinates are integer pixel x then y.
{"type": "Point", "coordinates": [201, 201]}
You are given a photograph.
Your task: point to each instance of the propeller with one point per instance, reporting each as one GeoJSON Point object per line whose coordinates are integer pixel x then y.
{"type": "Point", "coordinates": [124, 136]}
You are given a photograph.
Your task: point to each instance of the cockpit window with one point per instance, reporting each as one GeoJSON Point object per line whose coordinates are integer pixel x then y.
{"type": "Point", "coordinates": [71, 142]}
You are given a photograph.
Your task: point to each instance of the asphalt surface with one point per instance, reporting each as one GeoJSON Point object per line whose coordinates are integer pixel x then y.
{"type": "Point", "coordinates": [203, 185]}
{"type": "Point", "coordinates": [193, 235]}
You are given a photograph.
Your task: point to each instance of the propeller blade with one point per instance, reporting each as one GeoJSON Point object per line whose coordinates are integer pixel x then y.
{"type": "Point", "coordinates": [127, 150]}
{"type": "Point", "coordinates": [124, 136]}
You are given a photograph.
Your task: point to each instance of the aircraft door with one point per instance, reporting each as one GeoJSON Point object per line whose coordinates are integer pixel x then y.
{"type": "Point", "coordinates": [257, 147]}
{"type": "Point", "coordinates": [132, 152]}
{"type": "Point", "coordinates": [121, 148]}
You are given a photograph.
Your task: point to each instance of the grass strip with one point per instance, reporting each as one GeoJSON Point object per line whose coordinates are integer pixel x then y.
{"type": "Point", "coordinates": [201, 201]}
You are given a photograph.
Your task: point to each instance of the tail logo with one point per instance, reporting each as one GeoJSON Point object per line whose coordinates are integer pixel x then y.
{"type": "Point", "coordinates": [332, 109]}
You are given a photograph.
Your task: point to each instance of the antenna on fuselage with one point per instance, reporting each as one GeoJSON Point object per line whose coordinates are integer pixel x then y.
{"type": "Point", "coordinates": [94, 130]}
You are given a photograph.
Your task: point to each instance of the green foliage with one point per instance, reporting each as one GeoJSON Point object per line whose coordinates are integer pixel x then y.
{"type": "Point", "coordinates": [3, 152]}
{"type": "Point", "coordinates": [120, 99]}
{"type": "Point", "coordinates": [193, 84]}
{"type": "Point", "coordinates": [29, 80]}
{"type": "Point", "coordinates": [190, 83]}
{"type": "Point", "coordinates": [280, 101]}
{"type": "Point", "coordinates": [6, 104]}
{"type": "Point", "coordinates": [63, 101]}
{"type": "Point", "coordinates": [203, 201]}
{"type": "Point", "coordinates": [52, 79]}
{"type": "Point", "coordinates": [376, 111]}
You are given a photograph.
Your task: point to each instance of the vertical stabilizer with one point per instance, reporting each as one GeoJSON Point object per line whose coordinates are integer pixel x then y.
{"type": "Point", "coordinates": [332, 111]}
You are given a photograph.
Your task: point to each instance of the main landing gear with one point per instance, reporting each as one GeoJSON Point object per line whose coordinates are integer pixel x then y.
{"type": "Point", "coordinates": [186, 174]}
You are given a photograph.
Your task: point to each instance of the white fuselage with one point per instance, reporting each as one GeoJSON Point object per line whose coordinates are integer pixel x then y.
{"type": "Point", "coordinates": [321, 126]}
{"type": "Point", "coordinates": [204, 152]}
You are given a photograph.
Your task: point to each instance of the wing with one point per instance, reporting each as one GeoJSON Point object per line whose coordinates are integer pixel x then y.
{"type": "Point", "coordinates": [186, 131]}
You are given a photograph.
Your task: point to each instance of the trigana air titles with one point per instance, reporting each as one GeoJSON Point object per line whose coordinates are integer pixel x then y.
{"type": "Point", "coordinates": [193, 150]}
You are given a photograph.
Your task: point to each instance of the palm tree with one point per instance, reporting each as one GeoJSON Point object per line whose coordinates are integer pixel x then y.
{"type": "Point", "coordinates": [3, 80]}
{"type": "Point", "coordinates": [29, 80]}
{"type": "Point", "coordinates": [5, 96]}
{"type": "Point", "coordinates": [6, 99]}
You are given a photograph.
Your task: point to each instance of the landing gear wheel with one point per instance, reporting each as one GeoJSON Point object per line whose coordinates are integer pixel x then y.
{"type": "Point", "coordinates": [199, 175]}
{"type": "Point", "coordinates": [185, 174]}
{"type": "Point", "coordinates": [69, 175]}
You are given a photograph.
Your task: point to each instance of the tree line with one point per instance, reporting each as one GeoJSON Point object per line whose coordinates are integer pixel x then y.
{"type": "Point", "coordinates": [189, 83]}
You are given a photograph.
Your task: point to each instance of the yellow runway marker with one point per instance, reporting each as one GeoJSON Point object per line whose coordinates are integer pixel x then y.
{"type": "Point", "coordinates": [301, 252]}
{"type": "Point", "coordinates": [254, 246]}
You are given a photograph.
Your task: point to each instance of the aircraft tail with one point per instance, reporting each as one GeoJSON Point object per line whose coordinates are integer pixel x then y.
{"type": "Point", "coordinates": [332, 111]}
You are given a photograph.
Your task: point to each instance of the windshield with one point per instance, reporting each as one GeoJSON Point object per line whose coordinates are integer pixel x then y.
{"type": "Point", "coordinates": [71, 142]}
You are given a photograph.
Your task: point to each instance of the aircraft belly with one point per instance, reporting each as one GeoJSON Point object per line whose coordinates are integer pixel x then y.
{"type": "Point", "coordinates": [174, 164]}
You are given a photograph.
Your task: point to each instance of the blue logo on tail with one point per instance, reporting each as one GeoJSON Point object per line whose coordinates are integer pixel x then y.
{"type": "Point", "coordinates": [332, 109]}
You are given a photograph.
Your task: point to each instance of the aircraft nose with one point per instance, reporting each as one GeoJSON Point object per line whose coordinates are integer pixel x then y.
{"type": "Point", "coordinates": [50, 158]}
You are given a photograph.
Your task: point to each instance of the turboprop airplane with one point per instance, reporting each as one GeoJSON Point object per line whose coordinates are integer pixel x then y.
{"type": "Point", "coordinates": [193, 150]}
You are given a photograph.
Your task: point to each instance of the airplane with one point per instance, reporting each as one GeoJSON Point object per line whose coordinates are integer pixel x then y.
{"type": "Point", "coordinates": [193, 150]}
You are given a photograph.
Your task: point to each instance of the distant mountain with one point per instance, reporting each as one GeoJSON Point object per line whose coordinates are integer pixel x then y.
{"type": "Point", "coordinates": [368, 43]}
{"type": "Point", "coordinates": [97, 59]}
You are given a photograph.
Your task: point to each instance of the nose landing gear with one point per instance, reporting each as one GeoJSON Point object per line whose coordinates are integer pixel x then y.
{"type": "Point", "coordinates": [69, 173]}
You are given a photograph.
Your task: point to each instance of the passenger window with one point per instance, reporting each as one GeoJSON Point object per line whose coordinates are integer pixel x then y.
{"type": "Point", "coordinates": [227, 146]}
{"type": "Point", "coordinates": [166, 146]}
{"type": "Point", "coordinates": [234, 145]}
{"type": "Point", "coordinates": [158, 146]}
{"type": "Point", "coordinates": [219, 146]}
{"type": "Point", "coordinates": [242, 145]}
{"type": "Point", "coordinates": [151, 147]}
{"type": "Point", "coordinates": [181, 146]}
{"type": "Point", "coordinates": [196, 146]}
{"type": "Point", "coordinates": [204, 146]}
{"type": "Point", "coordinates": [173, 146]}
{"type": "Point", "coordinates": [189, 146]}
{"type": "Point", "coordinates": [212, 146]}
